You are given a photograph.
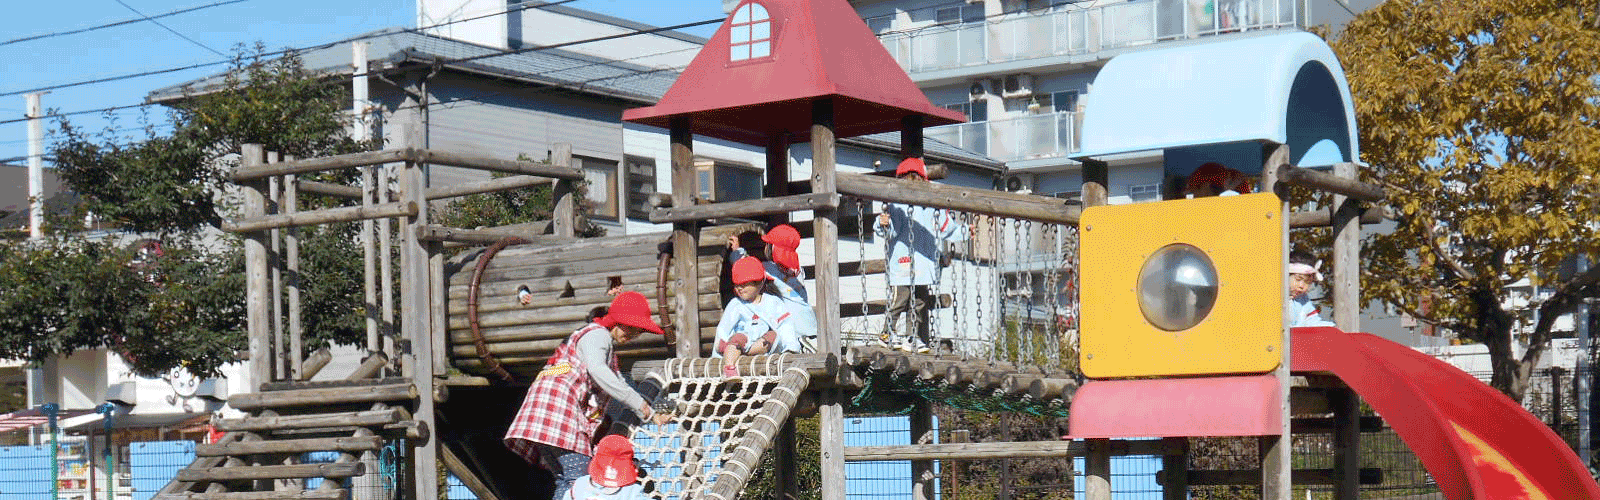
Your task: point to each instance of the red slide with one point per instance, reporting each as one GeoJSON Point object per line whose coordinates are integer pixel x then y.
{"type": "Point", "coordinates": [1477, 443]}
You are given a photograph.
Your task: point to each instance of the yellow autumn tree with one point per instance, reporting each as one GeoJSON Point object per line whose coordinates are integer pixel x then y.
{"type": "Point", "coordinates": [1480, 119]}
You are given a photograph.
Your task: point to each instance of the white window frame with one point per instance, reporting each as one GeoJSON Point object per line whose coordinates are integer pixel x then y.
{"type": "Point", "coordinates": [750, 34]}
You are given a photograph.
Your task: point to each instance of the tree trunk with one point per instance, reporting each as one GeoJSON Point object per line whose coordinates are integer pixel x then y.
{"type": "Point", "coordinates": [1496, 330]}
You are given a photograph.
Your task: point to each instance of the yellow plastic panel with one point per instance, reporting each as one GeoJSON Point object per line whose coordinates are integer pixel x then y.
{"type": "Point", "coordinates": [1243, 237]}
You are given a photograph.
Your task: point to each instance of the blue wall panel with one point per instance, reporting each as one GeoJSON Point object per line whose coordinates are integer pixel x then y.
{"type": "Point", "coordinates": [25, 472]}
{"type": "Point", "coordinates": [153, 464]}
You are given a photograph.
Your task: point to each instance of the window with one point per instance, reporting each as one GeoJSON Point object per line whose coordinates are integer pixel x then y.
{"type": "Point", "coordinates": [720, 181]}
{"type": "Point", "coordinates": [958, 14]}
{"type": "Point", "coordinates": [1064, 101]}
{"type": "Point", "coordinates": [881, 24]}
{"type": "Point", "coordinates": [602, 189]}
{"type": "Point", "coordinates": [976, 111]}
{"type": "Point", "coordinates": [750, 34]}
{"type": "Point", "coordinates": [1144, 192]}
{"type": "Point", "coordinates": [641, 183]}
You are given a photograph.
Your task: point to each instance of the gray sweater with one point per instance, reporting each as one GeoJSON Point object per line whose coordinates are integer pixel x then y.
{"type": "Point", "coordinates": [595, 351]}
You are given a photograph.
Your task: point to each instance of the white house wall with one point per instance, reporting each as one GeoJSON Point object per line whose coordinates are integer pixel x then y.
{"type": "Point", "coordinates": [534, 27]}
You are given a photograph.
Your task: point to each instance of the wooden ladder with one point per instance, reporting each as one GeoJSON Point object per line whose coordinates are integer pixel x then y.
{"type": "Point", "coordinates": [258, 457]}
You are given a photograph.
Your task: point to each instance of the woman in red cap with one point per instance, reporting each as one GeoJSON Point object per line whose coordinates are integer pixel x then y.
{"type": "Point", "coordinates": [561, 414]}
{"type": "Point", "coordinates": [753, 322]}
{"type": "Point", "coordinates": [786, 276]}
{"type": "Point", "coordinates": [612, 475]}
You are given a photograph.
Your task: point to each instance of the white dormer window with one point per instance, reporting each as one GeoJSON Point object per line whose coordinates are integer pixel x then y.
{"type": "Point", "coordinates": [750, 34]}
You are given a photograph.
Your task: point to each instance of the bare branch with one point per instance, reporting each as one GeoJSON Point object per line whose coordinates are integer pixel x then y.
{"type": "Point", "coordinates": [1455, 266]}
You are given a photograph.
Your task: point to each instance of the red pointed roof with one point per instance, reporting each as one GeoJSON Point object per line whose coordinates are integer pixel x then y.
{"type": "Point", "coordinates": [753, 88]}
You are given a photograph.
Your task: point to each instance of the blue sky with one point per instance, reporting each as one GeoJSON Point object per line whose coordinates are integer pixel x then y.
{"type": "Point", "coordinates": [145, 46]}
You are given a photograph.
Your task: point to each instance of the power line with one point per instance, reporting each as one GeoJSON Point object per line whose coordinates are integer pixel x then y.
{"type": "Point", "coordinates": [279, 52]}
{"type": "Point", "coordinates": [445, 61]}
{"type": "Point", "coordinates": [119, 23]}
{"type": "Point", "coordinates": [169, 28]}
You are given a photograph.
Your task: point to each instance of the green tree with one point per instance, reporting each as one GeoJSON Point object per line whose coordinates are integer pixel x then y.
{"type": "Point", "coordinates": [1479, 118]}
{"type": "Point", "coordinates": [184, 309]}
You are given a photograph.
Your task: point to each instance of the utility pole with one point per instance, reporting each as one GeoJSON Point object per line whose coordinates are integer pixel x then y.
{"type": "Point", "coordinates": [1583, 378]}
{"type": "Point", "coordinates": [35, 167]}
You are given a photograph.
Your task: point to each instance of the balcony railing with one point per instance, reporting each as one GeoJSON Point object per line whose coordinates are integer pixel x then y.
{"type": "Point", "coordinates": [1081, 31]}
{"type": "Point", "coordinates": [1036, 136]}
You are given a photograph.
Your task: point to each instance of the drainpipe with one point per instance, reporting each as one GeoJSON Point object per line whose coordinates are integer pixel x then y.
{"type": "Point", "coordinates": [51, 410]}
{"type": "Point", "coordinates": [109, 409]}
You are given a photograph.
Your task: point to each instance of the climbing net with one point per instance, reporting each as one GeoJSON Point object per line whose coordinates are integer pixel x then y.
{"type": "Point", "coordinates": [719, 426]}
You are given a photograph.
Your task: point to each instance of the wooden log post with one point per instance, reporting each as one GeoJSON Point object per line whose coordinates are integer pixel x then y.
{"type": "Point", "coordinates": [1346, 286]}
{"type": "Point", "coordinates": [1097, 459]}
{"type": "Point", "coordinates": [257, 282]}
{"type": "Point", "coordinates": [685, 239]}
{"type": "Point", "coordinates": [369, 258]}
{"type": "Point", "coordinates": [280, 350]}
{"type": "Point", "coordinates": [1276, 482]}
{"type": "Point", "coordinates": [1175, 465]}
{"type": "Point", "coordinates": [564, 217]}
{"type": "Point", "coordinates": [778, 172]}
{"type": "Point", "coordinates": [416, 288]}
{"type": "Point", "coordinates": [1346, 443]}
{"type": "Point", "coordinates": [825, 298]}
{"type": "Point", "coordinates": [922, 477]}
{"type": "Point", "coordinates": [291, 247]}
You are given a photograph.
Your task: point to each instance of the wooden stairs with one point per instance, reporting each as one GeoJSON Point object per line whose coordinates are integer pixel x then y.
{"type": "Point", "coordinates": [260, 456]}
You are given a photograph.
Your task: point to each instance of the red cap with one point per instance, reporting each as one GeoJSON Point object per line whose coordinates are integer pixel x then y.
{"type": "Point", "coordinates": [911, 165]}
{"type": "Point", "coordinates": [632, 309]}
{"type": "Point", "coordinates": [785, 240]}
{"type": "Point", "coordinates": [612, 465]}
{"type": "Point", "coordinates": [748, 269]}
{"type": "Point", "coordinates": [1213, 173]}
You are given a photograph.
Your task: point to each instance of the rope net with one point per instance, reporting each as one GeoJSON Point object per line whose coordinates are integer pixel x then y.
{"type": "Point", "coordinates": [720, 426]}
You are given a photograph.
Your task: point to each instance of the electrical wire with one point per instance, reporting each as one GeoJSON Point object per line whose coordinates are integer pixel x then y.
{"type": "Point", "coordinates": [457, 60]}
{"type": "Point", "coordinates": [118, 23]}
{"type": "Point", "coordinates": [279, 52]}
{"type": "Point", "coordinates": [169, 28]}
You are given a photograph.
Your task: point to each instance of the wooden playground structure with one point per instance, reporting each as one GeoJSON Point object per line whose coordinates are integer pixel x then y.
{"type": "Point", "coordinates": [464, 346]}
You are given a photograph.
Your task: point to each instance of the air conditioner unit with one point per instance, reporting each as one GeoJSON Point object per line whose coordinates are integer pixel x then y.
{"type": "Point", "coordinates": [1018, 85]}
{"type": "Point", "coordinates": [1016, 184]}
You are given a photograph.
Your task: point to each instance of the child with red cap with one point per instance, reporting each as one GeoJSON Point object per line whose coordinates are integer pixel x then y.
{"type": "Point", "coordinates": [564, 407]}
{"type": "Point", "coordinates": [612, 475]}
{"type": "Point", "coordinates": [1214, 179]}
{"type": "Point", "coordinates": [754, 322]}
{"type": "Point", "coordinates": [916, 236]}
{"type": "Point", "coordinates": [786, 276]}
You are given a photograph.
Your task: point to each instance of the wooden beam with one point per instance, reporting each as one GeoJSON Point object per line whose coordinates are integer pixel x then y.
{"type": "Point", "coordinates": [1335, 184]}
{"type": "Point", "coordinates": [312, 397]}
{"type": "Point", "coordinates": [310, 165]}
{"type": "Point", "coordinates": [464, 160]}
{"type": "Point", "coordinates": [258, 286]}
{"type": "Point", "coordinates": [1303, 477]}
{"type": "Point", "coordinates": [318, 494]}
{"type": "Point", "coordinates": [433, 232]}
{"type": "Point", "coordinates": [997, 450]}
{"type": "Point", "coordinates": [271, 422]}
{"type": "Point", "coordinates": [324, 216]}
{"type": "Point", "coordinates": [488, 186]}
{"type": "Point", "coordinates": [1346, 284]}
{"type": "Point", "coordinates": [745, 208]}
{"type": "Point", "coordinates": [330, 189]}
{"type": "Point", "coordinates": [334, 470]}
{"type": "Point", "coordinates": [466, 475]}
{"type": "Point", "coordinates": [982, 201]}
{"type": "Point", "coordinates": [363, 443]}
{"type": "Point", "coordinates": [1322, 218]}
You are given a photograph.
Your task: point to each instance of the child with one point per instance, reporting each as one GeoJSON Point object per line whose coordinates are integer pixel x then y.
{"type": "Point", "coordinates": [1213, 179]}
{"type": "Point", "coordinates": [753, 322]}
{"type": "Point", "coordinates": [563, 409]}
{"type": "Point", "coordinates": [1302, 274]}
{"type": "Point", "coordinates": [916, 237]}
{"type": "Point", "coordinates": [612, 474]}
{"type": "Point", "coordinates": [785, 276]}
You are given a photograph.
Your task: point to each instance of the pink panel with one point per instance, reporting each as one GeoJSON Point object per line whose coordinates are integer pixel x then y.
{"type": "Point", "coordinates": [1205, 406]}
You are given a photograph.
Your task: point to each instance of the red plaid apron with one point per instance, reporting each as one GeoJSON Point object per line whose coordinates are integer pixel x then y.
{"type": "Point", "coordinates": [563, 407]}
